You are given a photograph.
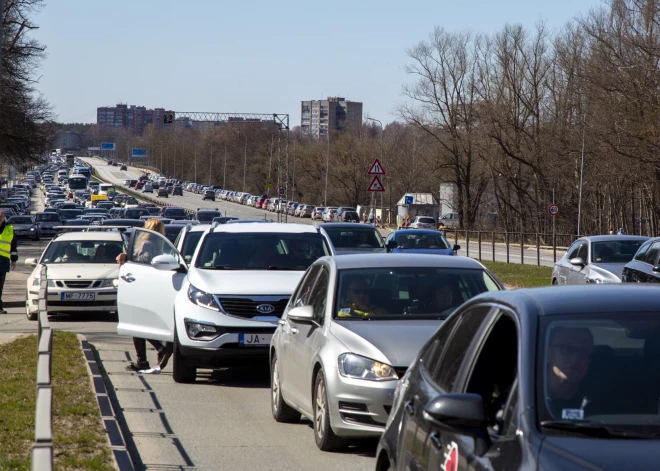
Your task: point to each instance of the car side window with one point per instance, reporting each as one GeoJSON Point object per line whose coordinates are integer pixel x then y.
{"type": "Point", "coordinates": [457, 347]}
{"type": "Point", "coordinates": [495, 369]}
{"type": "Point", "coordinates": [145, 245]}
{"type": "Point", "coordinates": [641, 253]}
{"type": "Point", "coordinates": [652, 255]}
{"type": "Point", "coordinates": [302, 295]}
{"type": "Point", "coordinates": [572, 252]}
{"type": "Point", "coordinates": [431, 356]}
{"type": "Point", "coordinates": [319, 296]}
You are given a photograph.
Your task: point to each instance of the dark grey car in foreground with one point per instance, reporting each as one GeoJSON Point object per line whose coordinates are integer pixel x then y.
{"type": "Point", "coordinates": [596, 259]}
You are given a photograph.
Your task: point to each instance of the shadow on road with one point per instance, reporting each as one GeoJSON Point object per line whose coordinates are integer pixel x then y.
{"type": "Point", "coordinates": [83, 317]}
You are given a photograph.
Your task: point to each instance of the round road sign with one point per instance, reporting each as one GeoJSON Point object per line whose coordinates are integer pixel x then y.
{"type": "Point", "coordinates": [553, 209]}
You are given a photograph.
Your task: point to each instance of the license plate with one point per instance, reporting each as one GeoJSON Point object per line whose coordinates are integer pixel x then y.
{"type": "Point", "coordinates": [254, 340]}
{"type": "Point", "coordinates": [78, 296]}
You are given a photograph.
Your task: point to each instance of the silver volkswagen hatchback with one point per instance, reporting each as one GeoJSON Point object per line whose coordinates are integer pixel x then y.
{"type": "Point", "coordinates": [596, 259]}
{"type": "Point", "coordinates": [350, 330]}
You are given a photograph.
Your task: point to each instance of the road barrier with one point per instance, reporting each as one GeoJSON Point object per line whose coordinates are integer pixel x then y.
{"type": "Point", "coordinates": [526, 242]}
{"type": "Point", "coordinates": [42, 449]}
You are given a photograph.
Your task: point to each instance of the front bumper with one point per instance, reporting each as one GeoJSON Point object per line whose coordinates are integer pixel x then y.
{"type": "Point", "coordinates": [26, 233]}
{"type": "Point", "coordinates": [225, 345]}
{"type": "Point", "coordinates": [105, 300]}
{"type": "Point", "coordinates": [358, 408]}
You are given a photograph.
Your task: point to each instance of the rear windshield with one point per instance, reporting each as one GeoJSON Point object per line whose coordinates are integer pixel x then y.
{"type": "Point", "coordinates": [175, 212]}
{"type": "Point", "coordinates": [207, 216]}
{"type": "Point", "coordinates": [427, 220]}
{"type": "Point", "coordinates": [616, 251]}
{"type": "Point", "coordinates": [421, 241]}
{"type": "Point", "coordinates": [135, 213]}
{"type": "Point", "coordinates": [260, 251]}
{"type": "Point", "coordinates": [48, 217]}
{"type": "Point", "coordinates": [355, 237]}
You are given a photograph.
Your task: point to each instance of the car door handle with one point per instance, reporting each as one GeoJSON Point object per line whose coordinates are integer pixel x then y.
{"type": "Point", "coordinates": [294, 331]}
{"type": "Point", "coordinates": [410, 408]}
{"type": "Point", "coordinates": [128, 278]}
{"type": "Point", "coordinates": [436, 440]}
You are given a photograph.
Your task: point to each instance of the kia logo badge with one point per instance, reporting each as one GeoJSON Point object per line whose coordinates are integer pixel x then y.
{"type": "Point", "coordinates": [265, 308]}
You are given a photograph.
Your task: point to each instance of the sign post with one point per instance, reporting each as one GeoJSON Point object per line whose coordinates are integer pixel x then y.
{"type": "Point", "coordinates": [376, 185]}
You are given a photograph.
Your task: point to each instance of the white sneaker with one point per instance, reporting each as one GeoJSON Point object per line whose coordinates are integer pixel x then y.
{"type": "Point", "coordinates": [152, 371]}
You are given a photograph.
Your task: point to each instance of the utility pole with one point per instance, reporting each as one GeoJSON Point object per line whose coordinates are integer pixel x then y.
{"type": "Point", "coordinates": [245, 162]}
{"type": "Point", "coordinates": [224, 173]}
{"type": "Point", "coordinates": [327, 168]}
{"type": "Point", "coordinates": [195, 164]}
{"type": "Point", "coordinates": [270, 162]}
{"type": "Point", "coordinates": [210, 167]}
{"type": "Point", "coordinates": [161, 157]}
{"type": "Point", "coordinates": [2, 16]}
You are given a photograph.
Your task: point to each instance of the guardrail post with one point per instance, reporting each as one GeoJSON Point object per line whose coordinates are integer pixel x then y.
{"type": "Point", "coordinates": [479, 237]}
{"type": "Point", "coordinates": [538, 249]}
{"type": "Point", "coordinates": [506, 240]}
{"type": "Point", "coordinates": [467, 244]}
{"type": "Point", "coordinates": [522, 248]}
{"type": "Point", "coordinates": [493, 245]}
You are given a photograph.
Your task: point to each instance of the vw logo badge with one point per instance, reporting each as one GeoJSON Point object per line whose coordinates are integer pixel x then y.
{"type": "Point", "coordinates": [265, 308]}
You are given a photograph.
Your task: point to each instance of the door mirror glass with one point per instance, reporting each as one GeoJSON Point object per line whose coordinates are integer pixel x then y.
{"type": "Point", "coordinates": [165, 262]}
{"type": "Point", "coordinates": [577, 261]}
{"type": "Point", "coordinates": [31, 262]}
{"type": "Point", "coordinates": [457, 248]}
{"type": "Point", "coordinates": [301, 314]}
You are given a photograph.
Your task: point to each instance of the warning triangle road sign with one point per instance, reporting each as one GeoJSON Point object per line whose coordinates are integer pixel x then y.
{"type": "Point", "coordinates": [376, 168]}
{"type": "Point", "coordinates": [376, 185]}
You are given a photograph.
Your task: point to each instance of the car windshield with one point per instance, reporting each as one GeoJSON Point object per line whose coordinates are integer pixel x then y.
{"type": "Point", "coordinates": [357, 237]}
{"type": "Point", "coordinates": [48, 217]}
{"type": "Point", "coordinates": [615, 251]}
{"type": "Point", "coordinates": [20, 220]}
{"type": "Point", "coordinates": [207, 216]}
{"type": "Point", "coordinates": [135, 213]}
{"type": "Point", "coordinates": [599, 372]}
{"type": "Point", "coordinates": [260, 251]}
{"type": "Point", "coordinates": [407, 292]}
{"type": "Point", "coordinates": [175, 212]}
{"type": "Point", "coordinates": [87, 251]}
{"type": "Point", "coordinates": [421, 241]}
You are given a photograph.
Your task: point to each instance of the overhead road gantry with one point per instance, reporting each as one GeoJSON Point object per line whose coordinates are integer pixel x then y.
{"type": "Point", "coordinates": [278, 119]}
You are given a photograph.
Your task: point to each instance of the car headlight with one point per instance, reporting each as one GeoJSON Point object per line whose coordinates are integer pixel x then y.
{"type": "Point", "coordinates": [596, 280]}
{"type": "Point", "coordinates": [37, 281]}
{"type": "Point", "coordinates": [359, 367]}
{"type": "Point", "coordinates": [32, 228]}
{"type": "Point", "coordinates": [202, 298]}
{"type": "Point", "coordinates": [110, 283]}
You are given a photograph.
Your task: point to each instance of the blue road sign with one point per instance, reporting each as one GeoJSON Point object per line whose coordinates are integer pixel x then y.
{"type": "Point", "coordinates": [409, 199]}
{"type": "Point", "coordinates": [139, 153]}
{"type": "Point", "coordinates": [107, 146]}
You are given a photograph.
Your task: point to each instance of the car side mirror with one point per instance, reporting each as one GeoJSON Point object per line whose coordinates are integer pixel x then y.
{"type": "Point", "coordinates": [577, 261]}
{"type": "Point", "coordinates": [165, 262]}
{"type": "Point", "coordinates": [303, 314]}
{"type": "Point", "coordinates": [656, 269]}
{"type": "Point", "coordinates": [391, 244]}
{"type": "Point", "coordinates": [31, 262]}
{"type": "Point", "coordinates": [462, 414]}
{"type": "Point", "coordinates": [456, 248]}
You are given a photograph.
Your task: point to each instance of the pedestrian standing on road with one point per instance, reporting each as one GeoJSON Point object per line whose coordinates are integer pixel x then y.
{"type": "Point", "coordinates": [8, 253]}
{"type": "Point", "coordinates": [146, 248]}
{"type": "Point", "coordinates": [621, 231]}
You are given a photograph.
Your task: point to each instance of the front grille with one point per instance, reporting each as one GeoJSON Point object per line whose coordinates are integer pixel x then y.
{"type": "Point", "coordinates": [50, 304]}
{"type": "Point", "coordinates": [78, 283]}
{"type": "Point", "coordinates": [247, 307]}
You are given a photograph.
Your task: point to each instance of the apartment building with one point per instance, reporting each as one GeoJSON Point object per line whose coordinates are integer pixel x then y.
{"type": "Point", "coordinates": [134, 117]}
{"type": "Point", "coordinates": [335, 113]}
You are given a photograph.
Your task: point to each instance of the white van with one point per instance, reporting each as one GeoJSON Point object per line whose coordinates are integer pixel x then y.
{"type": "Point", "coordinates": [105, 187]}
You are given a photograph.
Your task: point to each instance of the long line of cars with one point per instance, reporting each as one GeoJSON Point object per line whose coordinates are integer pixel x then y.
{"type": "Point", "coordinates": [426, 352]}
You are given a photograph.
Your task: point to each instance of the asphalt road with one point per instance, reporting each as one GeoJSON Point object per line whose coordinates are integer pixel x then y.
{"type": "Point", "coordinates": [223, 421]}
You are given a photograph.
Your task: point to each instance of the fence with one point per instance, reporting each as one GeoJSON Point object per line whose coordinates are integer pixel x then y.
{"type": "Point", "coordinates": [517, 245]}
{"type": "Point", "coordinates": [42, 449]}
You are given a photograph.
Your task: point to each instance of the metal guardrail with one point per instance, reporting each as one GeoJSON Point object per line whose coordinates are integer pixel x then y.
{"type": "Point", "coordinates": [524, 242]}
{"type": "Point", "coordinates": [42, 449]}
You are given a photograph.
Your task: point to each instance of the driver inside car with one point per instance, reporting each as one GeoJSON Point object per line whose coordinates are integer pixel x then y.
{"type": "Point", "coordinates": [356, 301]}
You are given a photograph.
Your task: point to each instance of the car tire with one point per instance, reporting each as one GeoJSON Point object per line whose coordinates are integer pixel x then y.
{"type": "Point", "coordinates": [282, 412]}
{"type": "Point", "coordinates": [181, 373]}
{"type": "Point", "coordinates": [29, 315]}
{"type": "Point", "coordinates": [325, 438]}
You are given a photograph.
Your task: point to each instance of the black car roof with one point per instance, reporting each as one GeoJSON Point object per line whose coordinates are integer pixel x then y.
{"type": "Point", "coordinates": [593, 299]}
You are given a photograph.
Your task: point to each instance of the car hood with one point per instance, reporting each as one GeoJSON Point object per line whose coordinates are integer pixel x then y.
{"type": "Point", "coordinates": [355, 250]}
{"type": "Point", "coordinates": [568, 453]}
{"type": "Point", "coordinates": [83, 271]}
{"type": "Point", "coordinates": [245, 282]}
{"type": "Point", "coordinates": [393, 342]}
{"type": "Point", "coordinates": [426, 251]}
{"type": "Point", "coordinates": [611, 272]}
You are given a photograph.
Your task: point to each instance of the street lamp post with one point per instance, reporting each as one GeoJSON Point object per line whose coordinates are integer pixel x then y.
{"type": "Point", "coordinates": [224, 172]}
{"type": "Point", "coordinates": [327, 168]}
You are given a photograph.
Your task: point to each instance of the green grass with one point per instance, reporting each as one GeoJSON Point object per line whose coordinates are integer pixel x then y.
{"type": "Point", "coordinates": [79, 439]}
{"type": "Point", "coordinates": [515, 275]}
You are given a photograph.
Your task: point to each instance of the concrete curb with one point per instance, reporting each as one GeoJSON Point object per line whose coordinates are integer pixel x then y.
{"type": "Point", "coordinates": [107, 406]}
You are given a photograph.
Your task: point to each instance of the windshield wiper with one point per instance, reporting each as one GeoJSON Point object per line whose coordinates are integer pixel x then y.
{"type": "Point", "coordinates": [596, 430]}
{"type": "Point", "coordinates": [219, 267]}
{"type": "Point", "coordinates": [275, 267]}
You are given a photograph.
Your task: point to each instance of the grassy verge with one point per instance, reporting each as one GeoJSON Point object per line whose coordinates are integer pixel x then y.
{"type": "Point", "coordinates": [79, 439]}
{"type": "Point", "coordinates": [520, 276]}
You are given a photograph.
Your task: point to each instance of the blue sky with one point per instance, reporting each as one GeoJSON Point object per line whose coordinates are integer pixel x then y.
{"type": "Point", "coordinates": [252, 56]}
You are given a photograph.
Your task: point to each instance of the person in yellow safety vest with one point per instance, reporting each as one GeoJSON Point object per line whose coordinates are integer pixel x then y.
{"type": "Point", "coordinates": [8, 254]}
{"type": "Point", "coordinates": [356, 301]}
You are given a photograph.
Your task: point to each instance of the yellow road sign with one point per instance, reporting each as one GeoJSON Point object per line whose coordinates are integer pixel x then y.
{"type": "Point", "coordinates": [269, 183]}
